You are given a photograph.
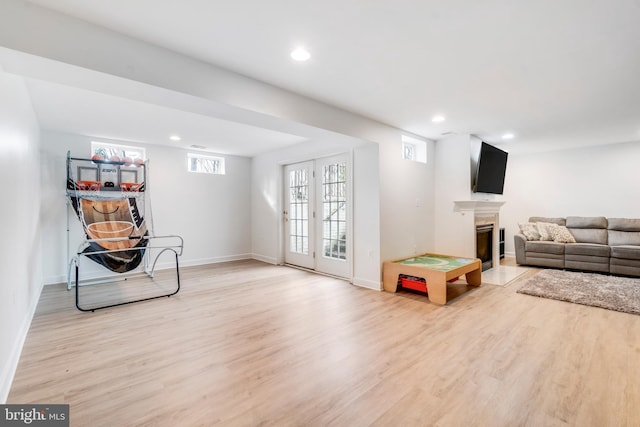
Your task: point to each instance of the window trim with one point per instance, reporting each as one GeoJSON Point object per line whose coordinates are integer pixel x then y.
{"type": "Point", "coordinates": [222, 163]}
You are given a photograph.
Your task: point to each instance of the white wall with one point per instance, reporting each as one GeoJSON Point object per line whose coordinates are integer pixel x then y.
{"type": "Point", "coordinates": [366, 223]}
{"type": "Point", "coordinates": [591, 181]}
{"type": "Point", "coordinates": [453, 176]}
{"type": "Point", "coordinates": [20, 272]}
{"type": "Point", "coordinates": [266, 204]}
{"type": "Point", "coordinates": [407, 206]}
{"type": "Point", "coordinates": [211, 212]}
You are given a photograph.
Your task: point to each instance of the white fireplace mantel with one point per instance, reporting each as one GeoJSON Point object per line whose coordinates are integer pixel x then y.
{"type": "Point", "coordinates": [477, 206]}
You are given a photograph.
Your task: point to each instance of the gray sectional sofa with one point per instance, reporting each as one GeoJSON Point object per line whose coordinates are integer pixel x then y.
{"type": "Point", "coordinates": [608, 245]}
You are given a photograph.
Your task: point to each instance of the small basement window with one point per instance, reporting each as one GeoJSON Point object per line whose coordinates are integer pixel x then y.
{"type": "Point", "coordinates": [414, 149]}
{"type": "Point", "coordinates": [109, 150]}
{"type": "Point", "coordinates": [205, 164]}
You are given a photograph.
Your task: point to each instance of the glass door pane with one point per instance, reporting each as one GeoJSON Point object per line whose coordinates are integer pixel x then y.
{"type": "Point", "coordinates": [334, 210]}
{"type": "Point", "coordinates": [299, 211]}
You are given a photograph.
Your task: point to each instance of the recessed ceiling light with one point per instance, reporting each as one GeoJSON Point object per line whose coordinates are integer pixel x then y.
{"type": "Point", "coordinates": [175, 138]}
{"type": "Point", "coordinates": [437, 119]}
{"type": "Point", "coordinates": [508, 136]}
{"type": "Point", "coordinates": [300, 54]}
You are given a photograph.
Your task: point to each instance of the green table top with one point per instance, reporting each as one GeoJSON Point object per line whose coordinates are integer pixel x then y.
{"type": "Point", "coordinates": [437, 262]}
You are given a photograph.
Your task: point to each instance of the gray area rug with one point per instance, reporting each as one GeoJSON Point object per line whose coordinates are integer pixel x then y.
{"type": "Point", "coordinates": [597, 290]}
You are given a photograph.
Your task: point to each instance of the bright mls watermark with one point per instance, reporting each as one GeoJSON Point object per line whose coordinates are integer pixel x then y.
{"type": "Point", "coordinates": [34, 415]}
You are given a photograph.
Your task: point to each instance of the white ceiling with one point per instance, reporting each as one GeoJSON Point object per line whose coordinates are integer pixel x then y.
{"type": "Point", "coordinates": [83, 112]}
{"type": "Point", "coordinates": [555, 73]}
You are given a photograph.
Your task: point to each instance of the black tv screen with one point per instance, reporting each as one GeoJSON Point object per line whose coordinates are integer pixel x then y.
{"type": "Point", "coordinates": [492, 166]}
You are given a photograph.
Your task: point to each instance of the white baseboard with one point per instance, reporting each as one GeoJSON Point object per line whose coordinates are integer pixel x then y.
{"type": "Point", "coordinates": [366, 283]}
{"type": "Point", "coordinates": [9, 369]}
{"type": "Point", "coordinates": [268, 260]}
{"type": "Point", "coordinates": [54, 280]}
{"type": "Point", "coordinates": [98, 274]}
{"type": "Point", "coordinates": [204, 261]}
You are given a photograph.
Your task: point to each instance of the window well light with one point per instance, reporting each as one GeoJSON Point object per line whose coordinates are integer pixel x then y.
{"type": "Point", "coordinates": [175, 138]}
{"type": "Point", "coordinates": [437, 119]}
{"type": "Point", "coordinates": [300, 54]}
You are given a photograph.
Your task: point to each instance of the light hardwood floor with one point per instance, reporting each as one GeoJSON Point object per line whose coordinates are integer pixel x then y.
{"type": "Point", "coordinates": [247, 343]}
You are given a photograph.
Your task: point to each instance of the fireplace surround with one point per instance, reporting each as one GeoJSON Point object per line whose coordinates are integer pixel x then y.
{"type": "Point", "coordinates": [484, 245]}
{"type": "Point", "coordinates": [485, 213]}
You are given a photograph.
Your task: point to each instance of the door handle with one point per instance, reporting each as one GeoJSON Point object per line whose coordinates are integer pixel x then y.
{"type": "Point", "coordinates": [286, 216]}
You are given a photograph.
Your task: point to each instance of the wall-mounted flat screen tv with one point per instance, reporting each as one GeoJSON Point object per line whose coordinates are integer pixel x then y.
{"type": "Point", "coordinates": [491, 169]}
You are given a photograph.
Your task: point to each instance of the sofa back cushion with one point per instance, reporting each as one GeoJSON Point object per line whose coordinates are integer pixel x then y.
{"type": "Point", "coordinates": [587, 222]}
{"type": "Point", "coordinates": [624, 224]}
{"type": "Point", "coordinates": [559, 221]}
{"type": "Point", "coordinates": [624, 231]}
{"type": "Point", "coordinates": [588, 229]}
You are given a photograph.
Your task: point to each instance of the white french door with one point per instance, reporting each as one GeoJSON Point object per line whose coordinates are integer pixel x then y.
{"type": "Point", "coordinates": [298, 232]}
{"type": "Point", "coordinates": [332, 218]}
{"type": "Point", "coordinates": [317, 215]}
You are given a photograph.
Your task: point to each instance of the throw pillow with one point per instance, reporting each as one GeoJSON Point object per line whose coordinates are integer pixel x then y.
{"type": "Point", "coordinates": [529, 230]}
{"type": "Point", "coordinates": [561, 234]}
{"type": "Point", "coordinates": [544, 228]}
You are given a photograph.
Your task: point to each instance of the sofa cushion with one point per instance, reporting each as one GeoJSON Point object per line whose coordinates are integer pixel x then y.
{"type": "Point", "coordinates": [626, 262]}
{"type": "Point", "coordinates": [588, 229]}
{"type": "Point", "coordinates": [561, 234]}
{"type": "Point", "coordinates": [623, 238]}
{"type": "Point", "coordinates": [624, 231]}
{"type": "Point", "coordinates": [627, 252]}
{"type": "Point", "coordinates": [590, 249]}
{"type": "Point", "coordinates": [629, 268]}
{"type": "Point", "coordinates": [624, 224]}
{"type": "Point", "coordinates": [586, 222]}
{"type": "Point", "coordinates": [557, 262]}
{"type": "Point", "coordinates": [546, 230]}
{"type": "Point", "coordinates": [544, 255]}
{"type": "Point", "coordinates": [544, 247]}
{"type": "Point", "coordinates": [553, 232]}
{"type": "Point", "coordinates": [559, 221]}
{"type": "Point", "coordinates": [587, 263]}
{"type": "Point", "coordinates": [575, 259]}
{"type": "Point", "coordinates": [529, 230]}
{"type": "Point", "coordinates": [590, 235]}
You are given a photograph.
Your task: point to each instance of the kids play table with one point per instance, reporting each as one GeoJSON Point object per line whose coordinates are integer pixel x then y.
{"type": "Point", "coordinates": [436, 269]}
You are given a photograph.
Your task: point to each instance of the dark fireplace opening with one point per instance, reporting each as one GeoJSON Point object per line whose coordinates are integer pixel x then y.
{"type": "Point", "coordinates": [484, 245]}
